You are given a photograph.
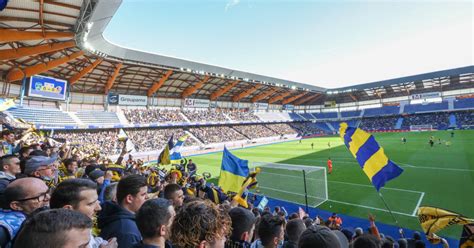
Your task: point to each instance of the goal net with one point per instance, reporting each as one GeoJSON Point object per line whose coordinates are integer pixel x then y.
{"type": "Point", "coordinates": [425, 127]}
{"type": "Point", "coordinates": [287, 182]}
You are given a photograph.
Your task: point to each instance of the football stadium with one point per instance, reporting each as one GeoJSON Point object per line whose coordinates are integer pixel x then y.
{"type": "Point", "coordinates": [106, 145]}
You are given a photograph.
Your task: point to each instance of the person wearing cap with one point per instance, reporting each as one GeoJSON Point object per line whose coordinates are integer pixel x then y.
{"type": "Point", "coordinates": [42, 167]}
{"type": "Point", "coordinates": [102, 179]}
{"type": "Point", "coordinates": [21, 198]}
{"type": "Point", "coordinates": [318, 236]}
{"type": "Point", "coordinates": [243, 226]}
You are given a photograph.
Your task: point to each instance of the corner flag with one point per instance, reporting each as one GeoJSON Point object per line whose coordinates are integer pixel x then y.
{"type": "Point", "coordinates": [233, 172]}
{"type": "Point", "coordinates": [371, 157]}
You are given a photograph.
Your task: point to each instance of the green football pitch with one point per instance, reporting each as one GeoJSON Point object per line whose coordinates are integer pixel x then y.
{"type": "Point", "coordinates": [438, 176]}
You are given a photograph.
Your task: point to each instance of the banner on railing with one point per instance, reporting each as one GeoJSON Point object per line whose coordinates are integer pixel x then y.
{"type": "Point", "coordinates": [260, 105]}
{"type": "Point", "coordinates": [132, 100]}
{"type": "Point", "coordinates": [425, 95]}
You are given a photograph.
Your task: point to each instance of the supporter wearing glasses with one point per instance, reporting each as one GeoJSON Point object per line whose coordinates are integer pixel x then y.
{"type": "Point", "coordinates": [22, 197]}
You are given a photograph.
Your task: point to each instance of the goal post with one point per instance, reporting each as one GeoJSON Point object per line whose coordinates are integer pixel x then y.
{"type": "Point", "coordinates": [305, 185]}
{"type": "Point", "coordinates": [418, 128]}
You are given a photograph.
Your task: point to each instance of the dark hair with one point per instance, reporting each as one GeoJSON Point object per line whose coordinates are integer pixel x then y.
{"type": "Point", "coordinates": [269, 228]}
{"type": "Point", "coordinates": [242, 221]}
{"type": "Point", "coordinates": [129, 185]}
{"type": "Point", "coordinates": [7, 132]}
{"type": "Point", "coordinates": [69, 191]}
{"type": "Point", "coordinates": [170, 189]}
{"type": "Point", "coordinates": [420, 244]}
{"type": "Point", "coordinates": [6, 160]}
{"type": "Point", "coordinates": [152, 215]}
{"type": "Point", "coordinates": [69, 161]}
{"type": "Point", "coordinates": [38, 153]}
{"type": "Point", "coordinates": [197, 221]}
{"type": "Point", "coordinates": [366, 241]}
{"type": "Point", "coordinates": [294, 229]}
{"type": "Point", "coordinates": [293, 216]}
{"type": "Point", "coordinates": [47, 228]}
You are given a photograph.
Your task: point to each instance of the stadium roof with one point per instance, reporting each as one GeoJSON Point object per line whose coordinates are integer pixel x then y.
{"type": "Point", "coordinates": [65, 40]}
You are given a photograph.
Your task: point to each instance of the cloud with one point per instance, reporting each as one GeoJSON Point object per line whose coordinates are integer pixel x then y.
{"type": "Point", "coordinates": [231, 4]}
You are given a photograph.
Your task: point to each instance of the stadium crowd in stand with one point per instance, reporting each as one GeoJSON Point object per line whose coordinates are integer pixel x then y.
{"type": "Point", "coordinates": [437, 120]}
{"type": "Point", "coordinates": [465, 118]}
{"type": "Point", "coordinates": [379, 123]}
{"type": "Point", "coordinates": [51, 198]}
{"type": "Point", "coordinates": [205, 115]}
{"type": "Point", "coordinates": [255, 131]}
{"type": "Point", "coordinates": [103, 141]}
{"type": "Point", "coordinates": [150, 139]}
{"type": "Point", "coordinates": [306, 129]}
{"type": "Point", "coordinates": [281, 128]}
{"type": "Point", "coordinates": [144, 116]}
{"type": "Point", "coordinates": [216, 134]}
{"type": "Point", "coordinates": [241, 115]}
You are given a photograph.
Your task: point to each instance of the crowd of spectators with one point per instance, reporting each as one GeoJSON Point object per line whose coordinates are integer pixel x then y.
{"type": "Point", "coordinates": [145, 116]}
{"type": "Point", "coordinates": [216, 134]}
{"type": "Point", "coordinates": [255, 131]}
{"type": "Point", "coordinates": [379, 123]}
{"type": "Point", "coordinates": [306, 129]}
{"type": "Point", "coordinates": [464, 118]}
{"type": "Point", "coordinates": [281, 128]}
{"type": "Point", "coordinates": [241, 115]}
{"type": "Point", "coordinates": [438, 120]}
{"type": "Point", "coordinates": [206, 115]}
{"type": "Point", "coordinates": [149, 139]}
{"type": "Point", "coordinates": [101, 141]}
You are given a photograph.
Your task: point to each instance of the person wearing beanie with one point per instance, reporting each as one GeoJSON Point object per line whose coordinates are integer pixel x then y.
{"type": "Point", "coordinates": [103, 179]}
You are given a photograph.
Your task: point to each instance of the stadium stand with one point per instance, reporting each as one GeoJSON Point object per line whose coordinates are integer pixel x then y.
{"type": "Point", "coordinates": [308, 116]}
{"type": "Point", "coordinates": [51, 117]}
{"type": "Point", "coordinates": [467, 103]}
{"type": "Point", "coordinates": [385, 110]}
{"type": "Point", "coordinates": [143, 116]}
{"type": "Point", "coordinates": [350, 114]}
{"type": "Point", "coordinates": [439, 120]}
{"type": "Point", "coordinates": [328, 115]}
{"type": "Point", "coordinates": [255, 131]}
{"type": "Point", "coordinates": [98, 117]}
{"type": "Point", "coordinates": [379, 123]}
{"type": "Point", "coordinates": [431, 107]}
{"type": "Point", "coordinates": [296, 117]}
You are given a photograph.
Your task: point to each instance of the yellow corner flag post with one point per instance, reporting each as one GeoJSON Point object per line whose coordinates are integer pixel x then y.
{"type": "Point", "coordinates": [371, 158]}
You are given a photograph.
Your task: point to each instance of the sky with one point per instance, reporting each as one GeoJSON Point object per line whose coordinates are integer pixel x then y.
{"type": "Point", "coordinates": [329, 43]}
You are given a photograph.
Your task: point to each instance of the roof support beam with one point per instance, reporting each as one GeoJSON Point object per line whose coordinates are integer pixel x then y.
{"type": "Point", "coordinates": [216, 94]}
{"type": "Point", "coordinates": [241, 95]}
{"type": "Point", "coordinates": [41, 15]}
{"type": "Point", "coordinates": [263, 95]}
{"type": "Point", "coordinates": [79, 75]}
{"type": "Point", "coordinates": [311, 99]}
{"type": "Point", "coordinates": [12, 35]}
{"type": "Point", "coordinates": [293, 98]}
{"type": "Point", "coordinates": [112, 78]}
{"type": "Point", "coordinates": [305, 99]}
{"type": "Point", "coordinates": [157, 85]}
{"type": "Point", "coordinates": [353, 97]}
{"type": "Point", "coordinates": [9, 54]}
{"type": "Point", "coordinates": [18, 74]}
{"type": "Point", "coordinates": [191, 89]}
{"type": "Point", "coordinates": [279, 97]}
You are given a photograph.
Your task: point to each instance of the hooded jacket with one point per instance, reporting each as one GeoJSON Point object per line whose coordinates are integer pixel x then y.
{"type": "Point", "coordinates": [115, 221]}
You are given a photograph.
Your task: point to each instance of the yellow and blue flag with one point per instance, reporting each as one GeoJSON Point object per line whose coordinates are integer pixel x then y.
{"type": "Point", "coordinates": [176, 151]}
{"type": "Point", "coordinates": [164, 157]}
{"type": "Point", "coordinates": [234, 171]}
{"type": "Point", "coordinates": [370, 155]}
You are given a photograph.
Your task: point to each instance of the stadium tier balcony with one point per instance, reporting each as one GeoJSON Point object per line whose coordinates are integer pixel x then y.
{"type": "Point", "coordinates": [50, 117]}
{"type": "Point", "coordinates": [273, 116]}
{"type": "Point", "coordinates": [431, 107]}
{"type": "Point", "coordinates": [281, 128]}
{"type": "Point", "coordinates": [385, 110]}
{"type": "Point", "coordinates": [237, 115]}
{"type": "Point", "coordinates": [214, 115]}
{"type": "Point", "coordinates": [350, 113]}
{"type": "Point", "coordinates": [307, 129]}
{"type": "Point", "coordinates": [467, 103]}
{"type": "Point", "coordinates": [147, 116]}
{"type": "Point", "coordinates": [150, 139]}
{"type": "Point", "coordinates": [328, 115]}
{"type": "Point", "coordinates": [98, 117]}
{"type": "Point", "coordinates": [438, 120]}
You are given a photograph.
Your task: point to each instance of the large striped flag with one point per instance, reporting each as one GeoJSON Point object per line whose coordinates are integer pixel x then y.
{"type": "Point", "coordinates": [234, 171]}
{"type": "Point", "coordinates": [6, 104]}
{"type": "Point", "coordinates": [370, 155]}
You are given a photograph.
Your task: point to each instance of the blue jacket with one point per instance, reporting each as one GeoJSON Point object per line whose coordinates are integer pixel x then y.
{"type": "Point", "coordinates": [115, 221]}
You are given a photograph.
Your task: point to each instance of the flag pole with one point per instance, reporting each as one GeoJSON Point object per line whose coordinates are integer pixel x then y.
{"type": "Point", "coordinates": [393, 216]}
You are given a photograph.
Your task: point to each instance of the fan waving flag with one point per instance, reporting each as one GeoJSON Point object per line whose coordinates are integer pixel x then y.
{"type": "Point", "coordinates": [164, 157]}
{"type": "Point", "coordinates": [176, 151]}
{"type": "Point", "coordinates": [234, 171]}
{"type": "Point", "coordinates": [371, 157]}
